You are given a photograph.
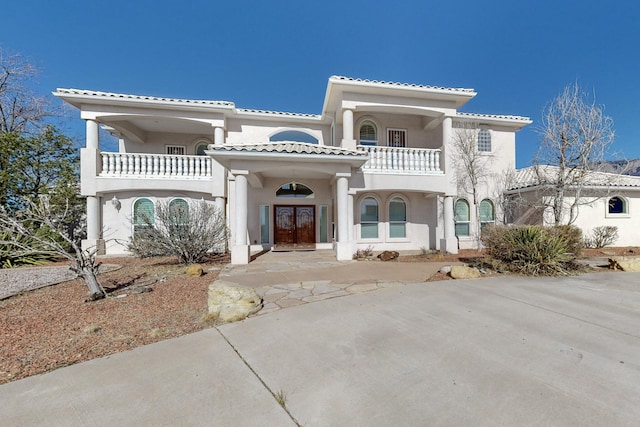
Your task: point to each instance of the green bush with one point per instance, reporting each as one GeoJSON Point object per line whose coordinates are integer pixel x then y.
{"type": "Point", "coordinates": [533, 250]}
{"type": "Point", "coordinates": [12, 256]}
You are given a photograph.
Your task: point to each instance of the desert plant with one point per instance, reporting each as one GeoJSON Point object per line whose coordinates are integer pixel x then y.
{"type": "Point", "coordinates": [10, 258]}
{"type": "Point", "coordinates": [363, 253]}
{"type": "Point", "coordinates": [532, 250]}
{"type": "Point", "coordinates": [189, 231]}
{"type": "Point", "coordinates": [602, 236]}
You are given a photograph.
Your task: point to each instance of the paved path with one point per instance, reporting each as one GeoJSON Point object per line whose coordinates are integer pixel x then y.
{"type": "Point", "coordinates": [287, 279]}
{"type": "Point", "coordinates": [505, 351]}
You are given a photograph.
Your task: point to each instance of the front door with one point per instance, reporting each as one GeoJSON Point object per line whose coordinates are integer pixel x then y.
{"type": "Point", "coordinates": [295, 226]}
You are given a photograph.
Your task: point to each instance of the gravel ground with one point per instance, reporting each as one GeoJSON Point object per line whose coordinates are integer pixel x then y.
{"type": "Point", "coordinates": [50, 327]}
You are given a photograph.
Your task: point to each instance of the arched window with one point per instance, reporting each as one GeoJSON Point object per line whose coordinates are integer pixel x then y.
{"type": "Point", "coordinates": [179, 211]}
{"type": "Point", "coordinates": [295, 136]}
{"type": "Point", "coordinates": [487, 214]}
{"type": "Point", "coordinates": [397, 218]}
{"type": "Point", "coordinates": [461, 217]}
{"type": "Point", "coordinates": [617, 205]}
{"type": "Point", "coordinates": [368, 133]}
{"type": "Point", "coordinates": [484, 140]}
{"type": "Point", "coordinates": [295, 190]}
{"type": "Point", "coordinates": [143, 215]}
{"type": "Point", "coordinates": [369, 218]}
{"type": "Point", "coordinates": [200, 147]}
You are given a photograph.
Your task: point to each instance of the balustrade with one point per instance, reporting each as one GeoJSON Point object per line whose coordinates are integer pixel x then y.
{"type": "Point", "coordinates": [401, 160]}
{"type": "Point", "coordinates": [137, 165]}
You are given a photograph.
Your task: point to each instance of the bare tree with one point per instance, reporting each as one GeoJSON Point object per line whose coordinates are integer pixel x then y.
{"type": "Point", "coordinates": [20, 108]}
{"type": "Point", "coordinates": [189, 231]}
{"type": "Point", "coordinates": [473, 167]}
{"type": "Point", "coordinates": [51, 232]}
{"type": "Point", "coordinates": [576, 136]}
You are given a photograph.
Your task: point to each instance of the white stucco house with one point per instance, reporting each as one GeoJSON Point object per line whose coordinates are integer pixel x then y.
{"type": "Point", "coordinates": [374, 168]}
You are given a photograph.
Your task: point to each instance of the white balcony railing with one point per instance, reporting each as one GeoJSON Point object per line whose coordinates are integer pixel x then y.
{"type": "Point", "coordinates": [136, 165]}
{"type": "Point", "coordinates": [401, 160]}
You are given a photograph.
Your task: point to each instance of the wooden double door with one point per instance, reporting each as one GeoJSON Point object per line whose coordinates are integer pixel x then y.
{"type": "Point", "coordinates": [295, 226]}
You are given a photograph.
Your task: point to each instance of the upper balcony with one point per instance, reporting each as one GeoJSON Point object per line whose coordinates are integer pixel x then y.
{"type": "Point", "coordinates": [402, 161]}
{"type": "Point", "coordinates": [156, 166]}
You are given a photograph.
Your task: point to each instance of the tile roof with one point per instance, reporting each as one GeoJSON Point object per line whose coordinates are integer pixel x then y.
{"type": "Point", "coordinates": [391, 84]}
{"type": "Point", "coordinates": [141, 97]}
{"type": "Point", "coordinates": [289, 147]}
{"type": "Point", "coordinates": [278, 113]}
{"type": "Point", "coordinates": [493, 116]}
{"type": "Point", "coordinates": [532, 177]}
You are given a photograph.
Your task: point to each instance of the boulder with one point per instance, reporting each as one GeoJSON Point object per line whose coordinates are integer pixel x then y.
{"type": "Point", "coordinates": [464, 272]}
{"type": "Point", "coordinates": [229, 302]}
{"type": "Point", "coordinates": [445, 269]}
{"type": "Point", "coordinates": [625, 263]}
{"type": "Point", "coordinates": [195, 270]}
{"type": "Point", "coordinates": [388, 255]}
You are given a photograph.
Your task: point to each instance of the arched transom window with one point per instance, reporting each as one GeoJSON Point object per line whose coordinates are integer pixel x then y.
{"type": "Point", "coordinates": [368, 133]}
{"type": "Point", "coordinates": [295, 190]}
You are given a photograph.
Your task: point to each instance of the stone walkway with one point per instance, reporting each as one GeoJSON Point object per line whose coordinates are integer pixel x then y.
{"type": "Point", "coordinates": [287, 279]}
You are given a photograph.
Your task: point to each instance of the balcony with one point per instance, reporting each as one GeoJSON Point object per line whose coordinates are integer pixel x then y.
{"type": "Point", "coordinates": [161, 166]}
{"type": "Point", "coordinates": [395, 160]}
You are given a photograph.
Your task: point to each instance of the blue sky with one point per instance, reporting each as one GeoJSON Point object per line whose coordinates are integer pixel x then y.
{"type": "Point", "coordinates": [278, 54]}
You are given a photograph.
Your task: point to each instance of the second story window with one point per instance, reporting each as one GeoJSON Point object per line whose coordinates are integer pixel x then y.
{"type": "Point", "coordinates": [396, 137]}
{"type": "Point", "coordinates": [176, 150]}
{"type": "Point", "coordinates": [484, 140]}
{"type": "Point", "coordinates": [368, 133]}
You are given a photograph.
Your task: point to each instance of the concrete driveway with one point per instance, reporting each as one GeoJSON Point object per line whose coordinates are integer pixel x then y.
{"type": "Point", "coordinates": [491, 352]}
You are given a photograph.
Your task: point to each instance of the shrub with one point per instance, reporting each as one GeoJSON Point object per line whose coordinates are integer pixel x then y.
{"type": "Point", "coordinates": [10, 257]}
{"type": "Point", "coordinates": [190, 233]}
{"type": "Point", "coordinates": [363, 253]}
{"type": "Point", "coordinates": [602, 236]}
{"type": "Point", "coordinates": [533, 250]}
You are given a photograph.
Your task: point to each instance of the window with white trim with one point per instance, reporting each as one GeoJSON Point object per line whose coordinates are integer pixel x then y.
{"type": "Point", "coordinates": [368, 133]}
{"type": "Point", "coordinates": [397, 218]}
{"type": "Point", "coordinates": [484, 140]}
{"type": "Point", "coordinates": [396, 137]}
{"type": "Point", "coordinates": [487, 213]}
{"type": "Point", "coordinates": [176, 150]}
{"type": "Point", "coordinates": [369, 218]}
{"type": "Point", "coordinates": [143, 215]}
{"type": "Point", "coordinates": [461, 217]}
{"type": "Point", "coordinates": [617, 206]}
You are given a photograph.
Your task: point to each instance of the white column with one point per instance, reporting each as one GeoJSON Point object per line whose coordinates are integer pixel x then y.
{"type": "Point", "coordinates": [218, 136]}
{"type": "Point", "coordinates": [94, 239]}
{"type": "Point", "coordinates": [92, 135]}
{"type": "Point", "coordinates": [350, 217]}
{"type": "Point", "coordinates": [449, 243]}
{"type": "Point", "coordinates": [240, 252]}
{"type": "Point", "coordinates": [347, 130]}
{"type": "Point", "coordinates": [446, 143]}
{"type": "Point", "coordinates": [344, 247]}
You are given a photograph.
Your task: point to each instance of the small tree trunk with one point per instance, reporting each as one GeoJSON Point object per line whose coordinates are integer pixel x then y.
{"type": "Point", "coordinates": [95, 290]}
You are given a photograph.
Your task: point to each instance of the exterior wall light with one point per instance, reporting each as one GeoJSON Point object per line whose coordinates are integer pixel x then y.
{"type": "Point", "coordinates": [116, 203]}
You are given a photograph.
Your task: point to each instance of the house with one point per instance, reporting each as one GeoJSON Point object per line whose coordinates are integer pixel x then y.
{"type": "Point", "coordinates": [375, 168]}
{"type": "Point", "coordinates": [604, 199]}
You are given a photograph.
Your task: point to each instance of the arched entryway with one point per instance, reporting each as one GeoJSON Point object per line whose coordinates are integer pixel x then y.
{"type": "Point", "coordinates": [294, 225]}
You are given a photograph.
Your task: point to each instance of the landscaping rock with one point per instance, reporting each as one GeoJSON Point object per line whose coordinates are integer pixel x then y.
{"type": "Point", "coordinates": [464, 272]}
{"type": "Point", "coordinates": [388, 255]}
{"type": "Point", "coordinates": [229, 302]}
{"type": "Point", "coordinates": [445, 269]}
{"type": "Point", "coordinates": [625, 263]}
{"type": "Point", "coordinates": [195, 270]}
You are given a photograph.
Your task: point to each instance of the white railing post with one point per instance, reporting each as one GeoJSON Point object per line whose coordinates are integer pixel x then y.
{"type": "Point", "coordinates": [402, 160]}
{"type": "Point", "coordinates": [155, 165]}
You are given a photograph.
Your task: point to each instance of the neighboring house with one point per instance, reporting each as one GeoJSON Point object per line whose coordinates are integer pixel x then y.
{"type": "Point", "coordinates": [606, 199]}
{"type": "Point", "coordinates": [375, 168]}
